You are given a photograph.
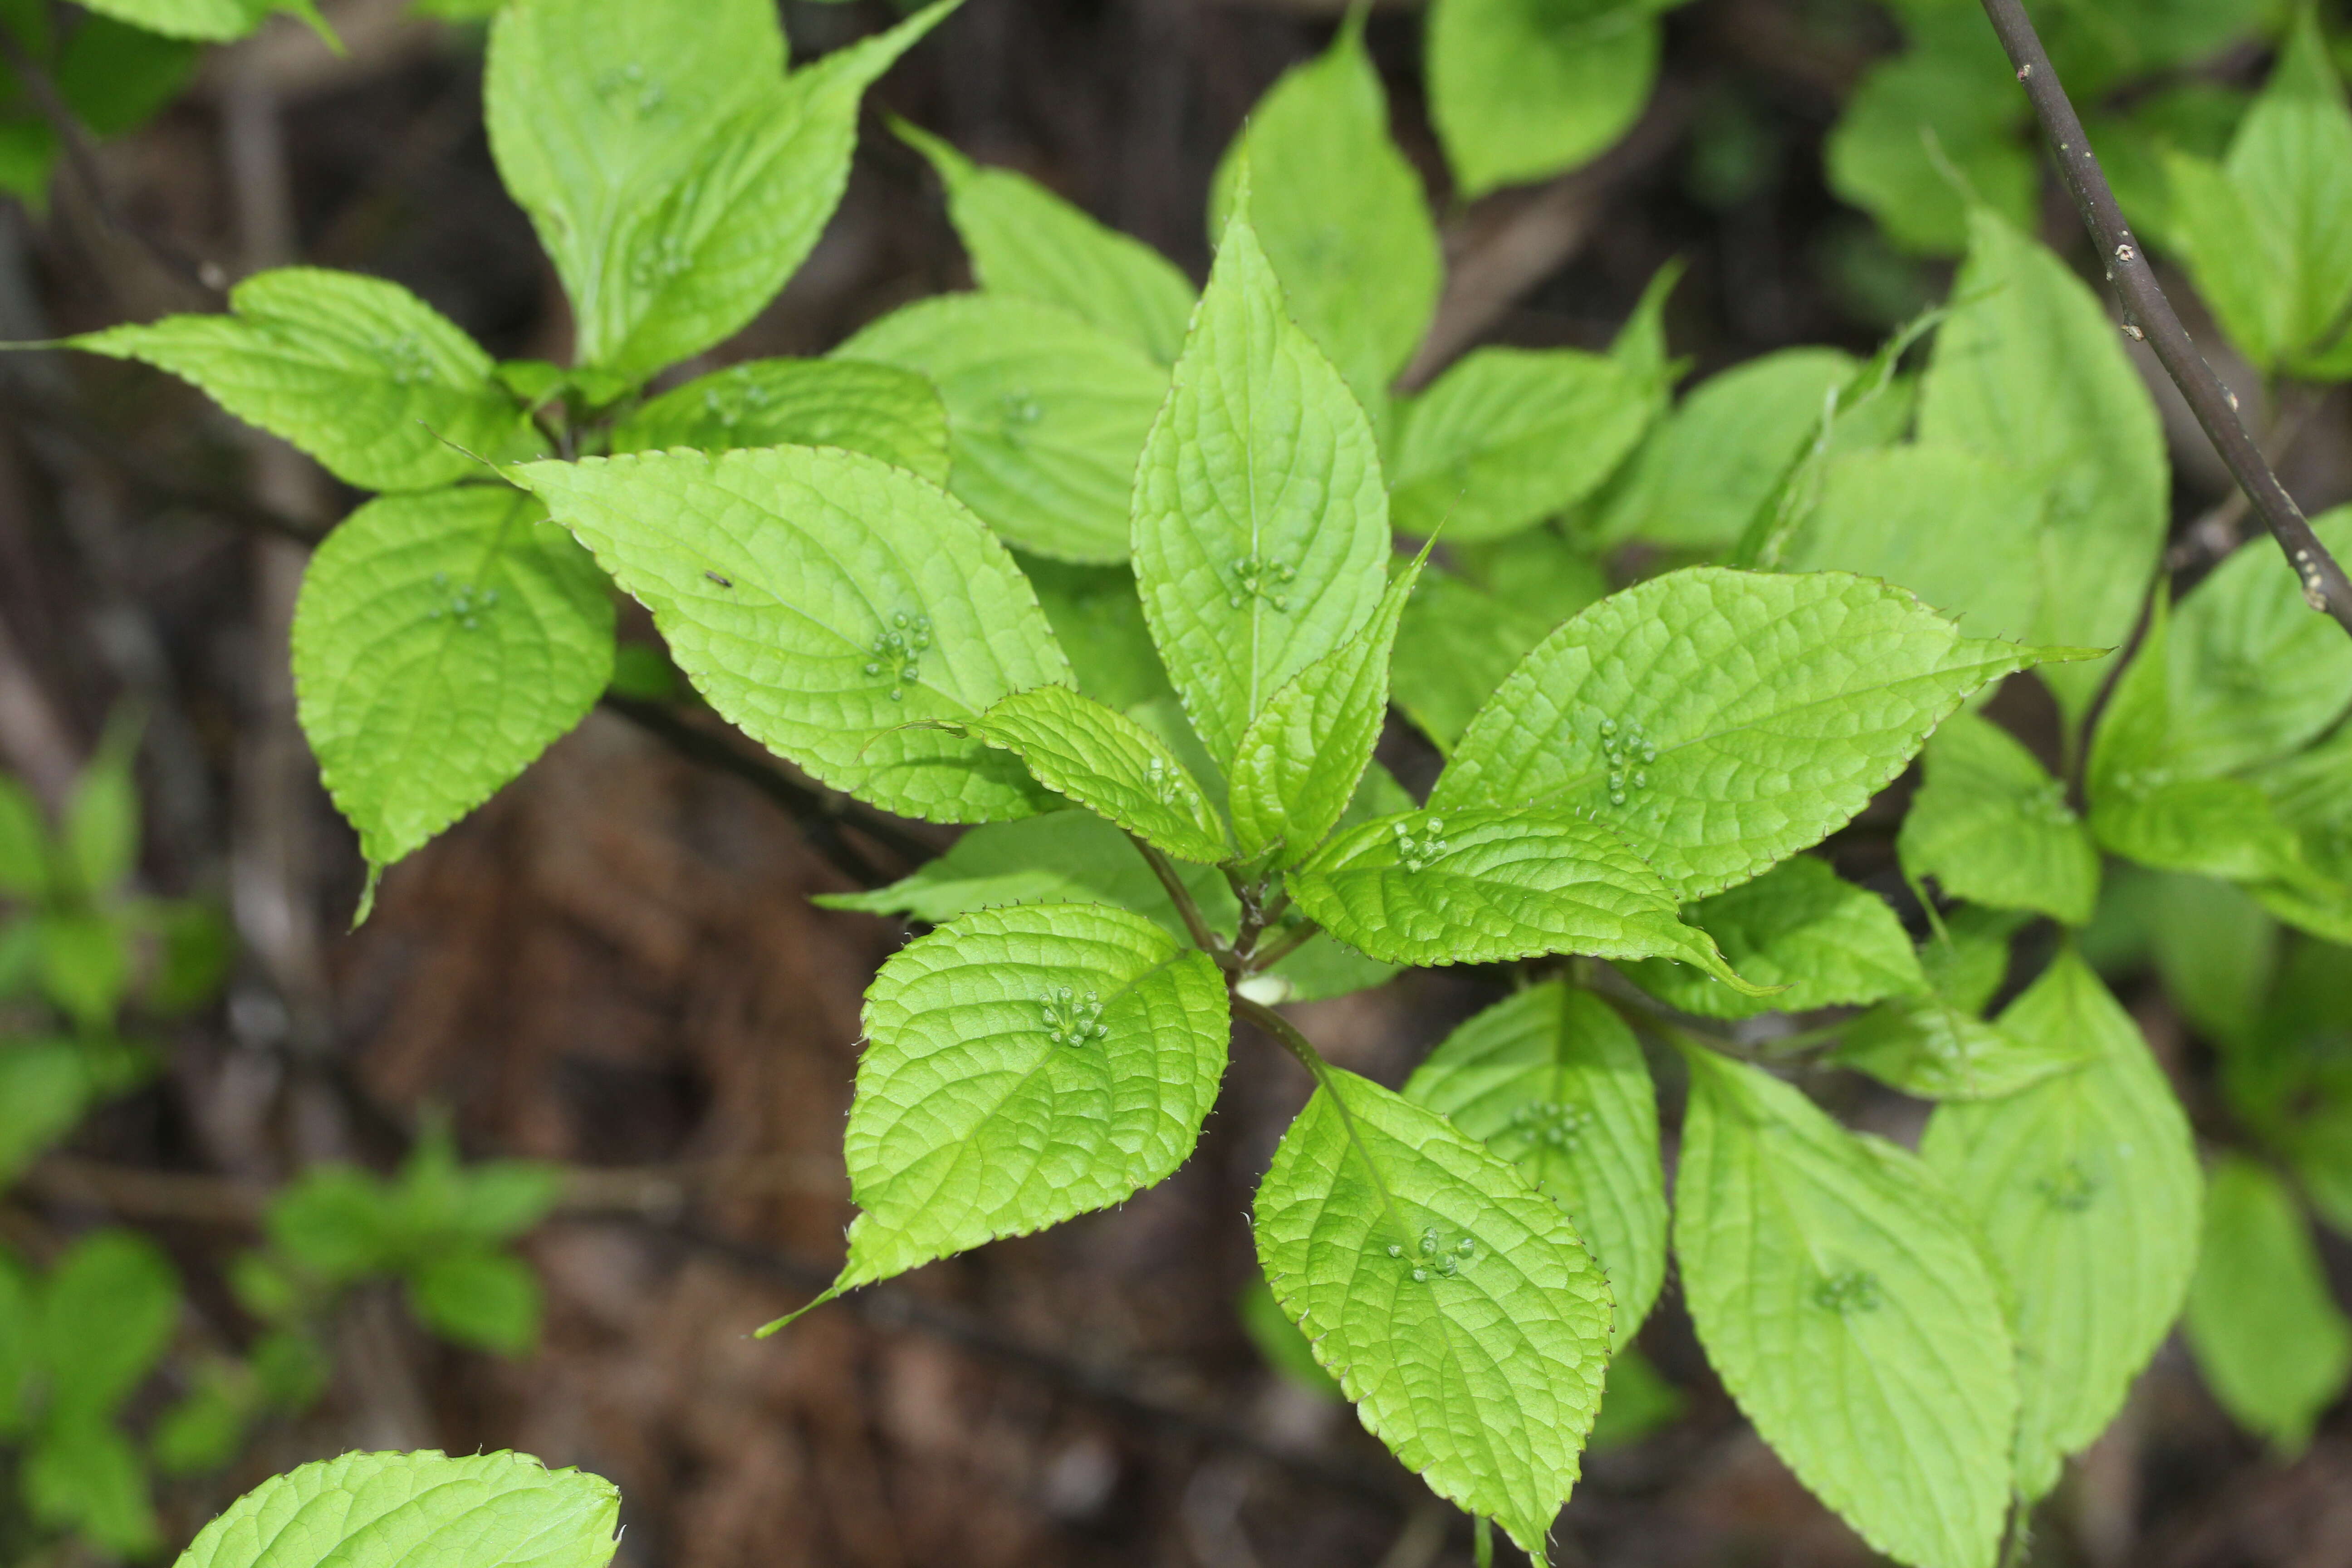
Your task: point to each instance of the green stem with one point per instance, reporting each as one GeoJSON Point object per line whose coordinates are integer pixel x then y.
{"type": "Point", "coordinates": [1282, 947]}
{"type": "Point", "coordinates": [1206, 940]}
{"type": "Point", "coordinates": [1284, 1033]}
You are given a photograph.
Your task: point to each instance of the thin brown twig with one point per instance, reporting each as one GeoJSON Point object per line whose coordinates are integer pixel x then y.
{"type": "Point", "coordinates": [2149, 316]}
{"type": "Point", "coordinates": [821, 816]}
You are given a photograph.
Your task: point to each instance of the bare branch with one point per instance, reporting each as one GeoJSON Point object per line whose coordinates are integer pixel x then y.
{"type": "Point", "coordinates": [2149, 315]}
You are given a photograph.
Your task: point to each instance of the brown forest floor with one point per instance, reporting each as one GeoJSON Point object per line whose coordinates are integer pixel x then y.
{"type": "Point", "coordinates": [615, 963]}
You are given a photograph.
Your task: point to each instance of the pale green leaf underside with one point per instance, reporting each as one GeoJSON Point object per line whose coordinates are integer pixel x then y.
{"type": "Point", "coordinates": [1843, 1302]}
{"type": "Point", "coordinates": [1927, 132]}
{"type": "Point", "coordinates": [1933, 1047]}
{"type": "Point", "coordinates": [878, 409]}
{"type": "Point", "coordinates": [359, 372]}
{"type": "Point", "coordinates": [1109, 763]}
{"type": "Point", "coordinates": [1481, 1375]}
{"type": "Point", "coordinates": [2266, 233]}
{"type": "Point", "coordinates": [1075, 857]}
{"type": "Point", "coordinates": [1024, 240]}
{"type": "Point", "coordinates": [1994, 827]}
{"type": "Point", "coordinates": [1341, 213]}
{"type": "Point", "coordinates": [675, 174]}
{"type": "Point", "coordinates": [1552, 1080]}
{"type": "Point", "coordinates": [2272, 1344]}
{"type": "Point", "coordinates": [1521, 90]}
{"type": "Point", "coordinates": [1046, 414]}
{"type": "Point", "coordinates": [382, 1511]}
{"type": "Point", "coordinates": [2029, 370]}
{"type": "Point", "coordinates": [1800, 926]}
{"type": "Point", "coordinates": [1509, 436]}
{"type": "Point", "coordinates": [1721, 721]}
{"type": "Point", "coordinates": [822, 599]}
{"type": "Point", "coordinates": [441, 642]}
{"type": "Point", "coordinates": [1963, 532]}
{"type": "Point", "coordinates": [2254, 673]}
{"type": "Point", "coordinates": [1699, 478]}
{"type": "Point", "coordinates": [1298, 763]}
{"type": "Point", "coordinates": [1022, 1066]}
{"type": "Point", "coordinates": [1479, 885]}
{"type": "Point", "coordinates": [2085, 1190]}
{"type": "Point", "coordinates": [1260, 521]}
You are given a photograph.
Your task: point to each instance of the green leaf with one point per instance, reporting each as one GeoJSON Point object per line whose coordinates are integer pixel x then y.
{"type": "Point", "coordinates": [362, 374]}
{"type": "Point", "coordinates": [2275, 1347]}
{"type": "Point", "coordinates": [1523, 89]}
{"type": "Point", "coordinates": [1926, 133]}
{"type": "Point", "coordinates": [1509, 436]}
{"type": "Point", "coordinates": [441, 643]}
{"type": "Point", "coordinates": [2217, 951]}
{"type": "Point", "coordinates": [43, 1093]}
{"type": "Point", "coordinates": [1479, 885]}
{"type": "Point", "coordinates": [824, 602]}
{"type": "Point", "coordinates": [2279, 272]}
{"type": "Point", "coordinates": [1046, 414]}
{"type": "Point", "coordinates": [2214, 827]}
{"type": "Point", "coordinates": [1109, 763]}
{"type": "Point", "coordinates": [2142, 805]}
{"type": "Point", "coordinates": [1873, 408]}
{"type": "Point", "coordinates": [85, 967]}
{"type": "Point", "coordinates": [1700, 477]}
{"type": "Point", "coordinates": [379, 1510]}
{"type": "Point", "coordinates": [2029, 370]}
{"type": "Point", "coordinates": [1722, 720]}
{"type": "Point", "coordinates": [1058, 858]}
{"type": "Point", "coordinates": [1994, 829]}
{"type": "Point", "coordinates": [85, 1477]}
{"type": "Point", "coordinates": [1936, 1046]}
{"type": "Point", "coordinates": [1097, 618]}
{"type": "Point", "coordinates": [337, 1222]}
{"type": "Point", "coordinates": [1298, 761]}
{"type": "Point", "coordinates": [1261, 525]}
{"type": "Point", "coordinates": [23, 843]}
{"type": "Point", "coordinates": [1799, 926]}
{"type": "Point", "coordinates": [108, 1308]}
{"type": "Point", "coordinates": [675, 174]}
{"type": "Point", "coordinates": [100, 841]}
{"type": "Point", "coordinates": [1455, 1304]}
{"type": "Point", "coordinates": [206, 1428]}
{"type": "Point", "coordinates": [1453, 647]}
{"type": "Point", "coordinates": [483, 1299]}
{"type": "Point", "coordinates": [116, 76]}
{"type": "Point", "coordinates": [1026, 241]}
{"type": "Point", "coordinates": [2085, 1187]}
{"type": "Point", "coordinates": [1075, 857]}
{"type": "Point", "coordinates": [1342, 216]}
{"type": "Point", "coordinates": [1960, 530]}
{"type": "Point", "coordinates": [20, 1336]}
{"type": "Point", "coordinates": [1022, 1066]}
{"type": "Point", "coordinates": [887, 413]}
{"type": "Point", "coordinates": [1842, 1298]}
{"type": "Point", "coordinates": [1552, 1080]}
{"type": "Point", "coordinates": [208, 21]}
{"type": "Point", "coordinates": [2253, 672]}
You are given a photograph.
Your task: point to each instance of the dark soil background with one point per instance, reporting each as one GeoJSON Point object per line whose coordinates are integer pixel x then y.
{"type": "Point", "coordinates": [615, 966]}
